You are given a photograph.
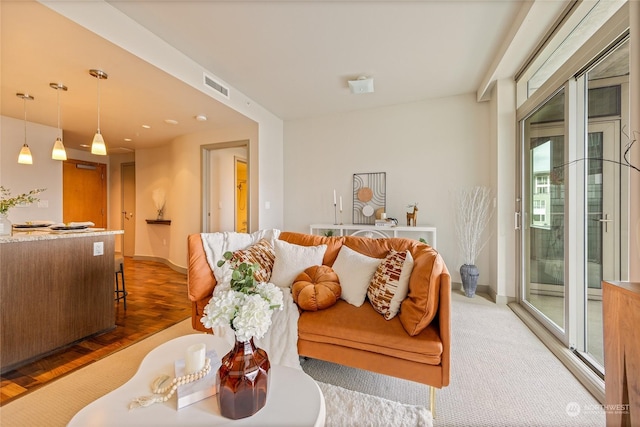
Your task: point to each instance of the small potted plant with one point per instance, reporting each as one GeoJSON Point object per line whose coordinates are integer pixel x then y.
{"type": "Point", "coordinates": [473, 211]}
{"type": "Point", "coordinates": [7, 202]}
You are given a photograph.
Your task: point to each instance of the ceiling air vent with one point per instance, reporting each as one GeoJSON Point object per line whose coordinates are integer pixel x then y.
{"type": "Point", "coordinates": [218, 87]}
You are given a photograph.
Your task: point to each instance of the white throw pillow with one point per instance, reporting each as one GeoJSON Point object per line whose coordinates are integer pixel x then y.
{"type": "Point", "coordinates": [292, 260]}
{"type": "Point", "coordinates": [355, 271]}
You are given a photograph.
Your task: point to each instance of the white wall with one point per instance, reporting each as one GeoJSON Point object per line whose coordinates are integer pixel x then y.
{"type": "Point", "coordinates": [176, 168]}
{"type": "Point", "coordinates": [428, 150]}
{"type": "Point", "coordinates": [43, 173]}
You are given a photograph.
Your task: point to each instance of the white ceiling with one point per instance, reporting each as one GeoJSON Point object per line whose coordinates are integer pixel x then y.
{"type": "Point", "coordinates": [292, 57]}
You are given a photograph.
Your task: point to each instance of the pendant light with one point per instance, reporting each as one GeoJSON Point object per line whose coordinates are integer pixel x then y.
{"type": "Point", "coordinates": [98, 146]}
{"type": "Point", "coordinates": [25, 153]}
{"type": "Point", "coordinates": [58, 152]}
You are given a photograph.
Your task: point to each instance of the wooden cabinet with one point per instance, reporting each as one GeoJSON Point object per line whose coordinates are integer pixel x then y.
{"type": "Point", "coordinates": [54, 290]}
{"type": "Point", "coordinates": [621, 322]}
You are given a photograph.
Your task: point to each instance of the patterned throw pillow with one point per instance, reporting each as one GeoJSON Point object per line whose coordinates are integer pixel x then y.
{"type": "Point", "coordinates": [261, 253]}
{"type": "Point", "coordinates": [390, 283]}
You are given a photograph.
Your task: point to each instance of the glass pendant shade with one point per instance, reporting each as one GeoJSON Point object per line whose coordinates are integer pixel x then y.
{"type": "Point", "coordinates": [97, 146]}
{"type": "Point", "coordinates": [58, 152]}
{"type": "Point", "coordinates": [25, 156]}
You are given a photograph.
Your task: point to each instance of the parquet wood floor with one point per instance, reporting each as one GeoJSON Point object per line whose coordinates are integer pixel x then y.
{"type": "Point", "coordinates": [157, 298]}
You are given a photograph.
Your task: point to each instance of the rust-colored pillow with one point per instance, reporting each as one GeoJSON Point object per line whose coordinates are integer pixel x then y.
{"type": "Point", "coordinates": [316, 288]}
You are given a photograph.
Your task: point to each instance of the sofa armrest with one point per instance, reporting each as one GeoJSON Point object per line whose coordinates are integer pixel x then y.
{"type": "Point", "coordinates": [444, 324]}
{"type": "Point", "coordinates": [200, 278]}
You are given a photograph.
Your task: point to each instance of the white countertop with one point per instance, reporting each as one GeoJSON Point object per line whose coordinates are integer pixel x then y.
{"type": "Point", "coordinates": [34, 235]}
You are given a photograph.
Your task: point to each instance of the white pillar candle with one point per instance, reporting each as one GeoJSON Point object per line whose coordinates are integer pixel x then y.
{"type": "Point", "coordinates": [334, 197]}
{"type": "Point", "coordinates": [194, 361]}
{"type": "Point", "coordinates": [383, 215]}
{"type": "Point", "coordinates": [340, 203]}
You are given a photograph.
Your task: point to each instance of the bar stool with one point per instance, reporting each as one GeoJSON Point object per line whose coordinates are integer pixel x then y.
{"type": "Point", "coordinates": [121, 293]}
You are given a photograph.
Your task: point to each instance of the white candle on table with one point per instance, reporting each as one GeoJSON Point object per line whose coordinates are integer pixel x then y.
{"type": "Point", "coordinates": [340, 203]}
{"type": "Point", "coordinates": [334, 197]}
{"type": "Point", "coordinates": [194, 361]}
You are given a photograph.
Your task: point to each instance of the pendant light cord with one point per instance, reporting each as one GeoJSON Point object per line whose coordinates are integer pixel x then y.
{"type": "Point", "coordinates": [59, 130]}
{"type": "Point", "coordinates": [24, 102]}
{"type": "Point", "coordinates": [99, 78]}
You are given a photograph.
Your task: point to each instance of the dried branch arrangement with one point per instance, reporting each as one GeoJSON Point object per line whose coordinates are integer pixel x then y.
{"type": "Point", "coordinates": [473, 212]}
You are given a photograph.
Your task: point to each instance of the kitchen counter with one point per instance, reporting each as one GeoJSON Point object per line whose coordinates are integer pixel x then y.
{"type": "Point", "coordinates": [55, 289]}
{"type": "Point", "coordinates": [45, 234]}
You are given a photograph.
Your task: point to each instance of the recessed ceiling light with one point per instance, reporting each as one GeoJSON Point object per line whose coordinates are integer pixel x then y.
{"type": "Point", "coordinates": [146, 126]}
{"type": "Point", "coordinates": [128, 139]}
{"type": "Point", "coordinates": [84, 145]}
{"type": "Point", "coordinates": [201, 118]}
{"type": "Point", "coordinates": [171, 122]}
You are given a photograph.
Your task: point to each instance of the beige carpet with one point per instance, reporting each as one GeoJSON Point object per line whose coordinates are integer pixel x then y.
{"type": "Point", "coordinates": [57, 402]}
{"type": "Point", "coordinates": [501, 375]}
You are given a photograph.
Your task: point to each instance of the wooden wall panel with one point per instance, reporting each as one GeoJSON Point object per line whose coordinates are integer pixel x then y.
{"type": "Point", "coordinates": [53, 292]}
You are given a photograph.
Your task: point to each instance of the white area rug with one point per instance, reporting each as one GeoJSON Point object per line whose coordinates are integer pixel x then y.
{"type": "Point", "coordinates": [347, 408]}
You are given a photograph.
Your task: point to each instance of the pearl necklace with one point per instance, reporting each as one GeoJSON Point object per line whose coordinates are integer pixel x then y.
{"type": "Point", "coordinates": [163, 389]}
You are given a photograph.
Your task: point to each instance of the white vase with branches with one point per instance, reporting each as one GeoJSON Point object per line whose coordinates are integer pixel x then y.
{"type": "Point", "coordinates": [473, 212]}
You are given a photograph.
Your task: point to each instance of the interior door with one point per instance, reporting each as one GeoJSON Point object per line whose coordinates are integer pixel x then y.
{"type": "Point", "coordinates": [84, 192]}
{"type": "Point", "coordinates": [128, 223]}
{"type": "Point", "coordinates": [241, 195]}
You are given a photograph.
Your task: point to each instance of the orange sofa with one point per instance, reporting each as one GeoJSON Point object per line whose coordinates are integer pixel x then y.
{"type": "Point", "coordinates": [414, 345]}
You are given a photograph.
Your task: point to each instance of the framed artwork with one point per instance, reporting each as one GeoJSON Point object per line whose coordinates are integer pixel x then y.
{"type": "Point", "coordinates": [369, 196]}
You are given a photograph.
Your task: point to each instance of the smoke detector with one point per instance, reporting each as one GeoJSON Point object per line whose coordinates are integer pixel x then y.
{"type": "Point", "coordinates": [361, 85]}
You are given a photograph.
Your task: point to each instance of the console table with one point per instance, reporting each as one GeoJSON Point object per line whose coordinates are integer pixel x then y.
{"type": "Point", "coordinates": [426, 232]}
{"type": "Point", "coordinates": [621, 316]}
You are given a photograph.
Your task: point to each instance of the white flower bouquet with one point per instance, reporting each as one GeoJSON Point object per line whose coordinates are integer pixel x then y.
{"type": "Point", "coordinates": [246, 306]}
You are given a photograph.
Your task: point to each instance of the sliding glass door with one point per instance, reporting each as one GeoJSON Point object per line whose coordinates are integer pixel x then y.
{"type": "Point", "coordinates": [544, 211]}
{"type": "Point", "coordinates": [574, 199]}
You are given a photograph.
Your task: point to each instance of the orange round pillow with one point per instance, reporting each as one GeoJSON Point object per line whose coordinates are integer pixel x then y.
{"type": "Point", "coordinates": [316, 288]}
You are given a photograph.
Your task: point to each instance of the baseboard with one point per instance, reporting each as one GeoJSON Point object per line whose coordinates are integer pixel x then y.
{"type": "Point", "coordinates": [586, 376]}
{"type": "Point", "coordinates": [164, 261]}
{"type": "Point", "coordinates": [487, 290]}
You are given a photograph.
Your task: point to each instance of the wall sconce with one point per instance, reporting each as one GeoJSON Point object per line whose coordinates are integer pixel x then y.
{"type": "Point", "coordinates": [58, 152]}
{"type": "Point", "coordinates": [25, 157]}
{"type": "Point", "coordinates": [98, 146]}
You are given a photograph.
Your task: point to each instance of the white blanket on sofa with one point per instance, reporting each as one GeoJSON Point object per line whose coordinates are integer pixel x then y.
{"type": "Point", "coordinates": [281, 340]}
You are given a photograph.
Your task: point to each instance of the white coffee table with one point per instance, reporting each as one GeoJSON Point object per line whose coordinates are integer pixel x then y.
{"type": "Point", "coordinates": [294, 398]}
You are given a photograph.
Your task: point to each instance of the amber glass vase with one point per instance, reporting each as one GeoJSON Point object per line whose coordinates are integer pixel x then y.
{"type": "Point", "coordinates": [243, 380]}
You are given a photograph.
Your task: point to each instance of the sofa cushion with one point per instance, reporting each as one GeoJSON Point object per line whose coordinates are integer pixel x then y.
{"type": "Point", "coordinates": [355, 271]}
{"type": "Point", "coordinates": [364, 329]}
{"type": "Point", "coordinates": [317, 288]}
{"type": "Point", "coordinates": [421, 304]}
{"type": "Point", "coordinates": [292, 260]}
{"type": "Point", "coordinates": [261, 253]}
{"type": "Point", "coordinates": [390, 283]}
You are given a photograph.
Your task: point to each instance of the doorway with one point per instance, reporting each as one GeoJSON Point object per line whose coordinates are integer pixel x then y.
{"type": "Point", "coordinates": [127, 220]}
{"type": "Point", "coordinates": [226, 187]}
{"type": "Point", "coordinates": [241, 194]}
{"type": "Point", "coordinates": [84, 192]}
